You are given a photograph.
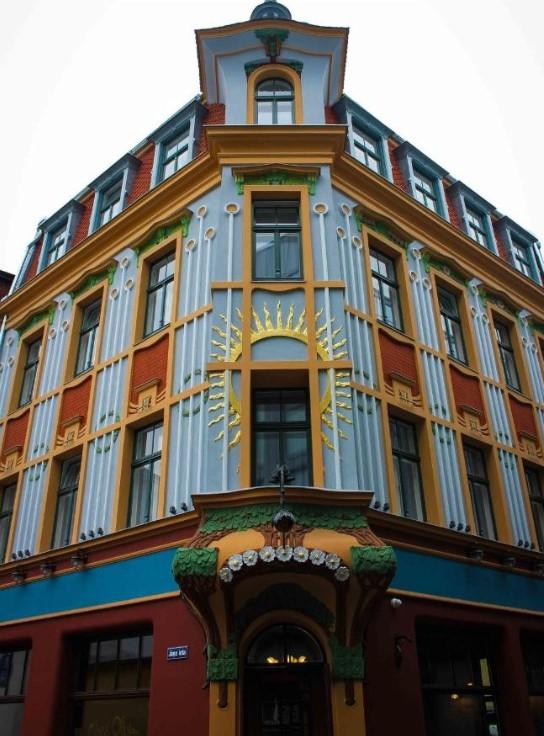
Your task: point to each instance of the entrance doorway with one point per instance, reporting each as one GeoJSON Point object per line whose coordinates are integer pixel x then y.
{"type": "Point", "coordinates": [286, 688]}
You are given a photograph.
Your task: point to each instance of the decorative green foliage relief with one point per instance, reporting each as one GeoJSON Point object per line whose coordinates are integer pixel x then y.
{"type": "Point", "coordinates": [373, 560]}
{"type": "Point", "coordinates": [347, 662]}
{"type": "Point", "coordinates": [275, 178]}
{"type": "Point", "coordinates": [188, 562]}
{"type": "Point", "coordinates": [241, 518]}
{"type": "Point", "coordinates": [222, 663]}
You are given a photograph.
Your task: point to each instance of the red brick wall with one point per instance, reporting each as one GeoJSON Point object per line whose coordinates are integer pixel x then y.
{"type": "Point", "coordinates": [33, 267]}
{"type": "Point", "coordinates": [330, 116]}
{"type": "Point", "coordinates": [452, 209]}
{"type": "Point", "coordinates": [5, 283]}
{"type": "Point", "coordinates": [15, 433]}
{"type": "Point", "coordinates": [524, 420]}
{"type": "Point", "coordinates": [83, 227]}
{"type": "Point", "coordinates": [150, 363]}
{"type": "Point", "coordinates": [75, 402]}
{"type": "Point", "coordinates": [398, 357]}
{"type": "Point", "coordinates": [501, 246]}
{"type": "Point", "coordinates": [142, 180]}
{"type": "Point", "coordinates": [466, 391]}
{"type": "Point", "coordinates": [215, 115]}
{"type": "Point", "coordinates": [398, 178]}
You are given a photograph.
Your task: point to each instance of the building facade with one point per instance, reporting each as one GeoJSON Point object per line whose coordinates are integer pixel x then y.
{"type": "Point", "coordinates": [272, 417]}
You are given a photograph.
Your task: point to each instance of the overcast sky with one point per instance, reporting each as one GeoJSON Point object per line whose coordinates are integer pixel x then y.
{"type": "Point", "coordinates": [83, 81]}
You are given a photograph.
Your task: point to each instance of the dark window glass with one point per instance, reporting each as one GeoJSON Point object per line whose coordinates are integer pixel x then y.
{"type": "Point", "coordinates": [66, 502]}
{"type": "Point", "coordinates": [281, 434]}
{"type": "Point", "coordinates": [175, 153]}
{"type": "Point", "coordinates": [458, 685]}
{"type": "Point", "coordinates": [522, 258]}
{"type": "Point", "coordinates": [56, 243]}
{"type": "Point", "coordinates": [533, 654]}
{"type": "Point", "coordinates": [476, 227]}
{"type": "Point", "coordinates": [112, 689]}
{"type": "Point", "coordinates": [276, 241]}
{"type": "Point", "coordinates": [425, 191]}
{"type": "Point", "coordinates": [366, 149]}
{"type": "Point", "coordinates": [536, 495]}
{"type": "Point", "coordinates": [386, 289]}
{"type": "Point", "coordinates": [451, 325]}
{"type": "Point", "coordinates": [284, 645]}
{"type": "Point", "coordinates": [29, 371]}
{"type": "Point", "coordinates": [146, 467]}
{"type": "Point", "coordinates": [506, 351]}
{"type": "Point", "coordinates": [13, 675]}
{"type": "Point", "coordinates": [274, 103]}
{"type": "Point", "coordinates": [7, 501]}
{"type": "Point", "coordinates": [479, 491]}
{"type": "Point", "coordinates": [110, 203]}
{"type": "Point", "coordinates": [407, 468]}
{"type": "Point", "coordinates": [159, 294]}
{"type": "Point", "coordinates": [87, 337]}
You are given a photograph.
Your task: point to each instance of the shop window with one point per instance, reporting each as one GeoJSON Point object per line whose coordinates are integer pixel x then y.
{"type": "Point", "coordinates": [30, 370]}
{"type": "Point", "coordinates": [66, 502]}
{"type": "Point", "coordinates": [506, 352]}
{"type": "Point", "coordinates": [281, 435]}
{"type": "Point", "coordinates": [277, 253]}
{"type": "Point", "coordinates": [87, 337]}
{"type": "Point", "coordinates": [274, 102]}
{"type": "Point", "coordinates": [13, 676]}
{"type": "Point", "coordinates": [160, 292]}
{"type": "Point", "coordinates": [535, 486]}
{"type": "Point", "coordinates": [458, 683]}
{"type": "Point", "coordinates": [533, 654]}
{"type": "Point", "coordinates": [451, 324]}
{"type": "Point", "coordinates": [112, 686]}
{"type": "Point", "coordinates": [386, 289]}
{"type": "Point", "coordinates": [478, 483]}
{"type": "Point", "coordinates": [407, 464]}
{"type": "Point", "coordinates": [7, 502]}
{"type": "Point", "coordinates": [145, 475]}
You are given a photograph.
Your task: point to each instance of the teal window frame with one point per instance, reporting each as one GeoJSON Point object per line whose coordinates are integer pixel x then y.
{"type": "Point", "coordinates": [32, 361]}
{"type": "Point", "coordinates": [164, 288]}
{"type": "Point", "coordinates": [66, 502]}
{"type": "Point", "coordinates": [480, 491]}
{"type": "Point", "coordinates": [406, 455]}
{"type": "Point", "coordinates": [535, 487]}
{"type": "Point", "coordinates": [7, 504]}
{"type": "Point", "coordinates": [382, 281]}
{"type": "Point", "coordinates": [86, 347]}
{"type": "Point", "coordinates": [274, 98]}
{"type": "Point", "coordinates": [452, 325]}
{"type": "Point", "coordinates": [182, 154]}
{"type": "Point", "coordinates": [110, 202]}
{"type": "Point", "coordinates": [140, 507]}
{"type": "Point", "coordinates": [277, 231]}
{"type": "Point", "coordinates": [503, 334]}
{"type": "Point", "coordinates": [56, 243]}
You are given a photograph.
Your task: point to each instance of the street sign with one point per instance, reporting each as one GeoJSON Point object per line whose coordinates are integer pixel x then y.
{"type": "Point", "coordinates": [181, 652]}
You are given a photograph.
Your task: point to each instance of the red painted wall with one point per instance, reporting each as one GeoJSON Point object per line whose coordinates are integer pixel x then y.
{"type": "Point", "coordinates": [398, 357]}
{"type": "Point", "coordinates": [524, 419]}
{"type": "Point", "coordinates": [84, 222]}
{"type": "Point", "coordinates": [33, 267]}
{"type": "Point", "coordinates": [75, 402]}
{"type": "Point", "coordinates": [178, 703]}
{"type": "Point", "coordinates": [15, 433]}
{"type": "Point", "coordinates": [466, 391]}
{"type": "Point", "coordinates": [215, 115]}
{"type": "Point", "coordinates": [398, 178]}
{"type": "Point", "coordinates": [142, 180]}
{"type": "Point", "coordinates": [452, 210]}
{"type": "Point", "coordinates": [149, 363]}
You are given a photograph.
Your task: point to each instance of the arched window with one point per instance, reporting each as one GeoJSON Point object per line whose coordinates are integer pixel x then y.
{"type": "Point", "coordinates": [274, 102]}
{"type": "Point", "coordinates": [283, 645]}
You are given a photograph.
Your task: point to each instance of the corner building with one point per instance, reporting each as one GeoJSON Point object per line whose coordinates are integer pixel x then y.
{"type": "Point", "coordinates": [273, 278]}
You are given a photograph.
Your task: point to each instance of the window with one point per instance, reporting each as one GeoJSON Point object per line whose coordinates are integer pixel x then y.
{"type": "Point", "coordinates": [521, 257]}
{"type": "Point", "coordinates": [13, 675]}
{"type": "Point", "coordinates": [506, 351]}
{"type": "Point", "coordinates": [479, 491]}
{"type": "Point", "coordinates": [476, 227]}
{"type": "Point", "coordinates": [536, 496]}
{"type": "Point", "coordinates": [159, 294]}
{"type": "Point", "coordinates": [451, 324]}
{"type": "Point", "coordinates": [7, 500]}
{"type": "Point", "coordinates": [386, 289]}
{"type": "Point", "coordinates": [110, 203]}
{"type": "Point", "coordinates": [87, 337]}
{"type": "Point", "coordinates": [29, 371]}
{"type": "Point", "coordinates": [66, 502]}
{"type": "Point", "coordinates": [281, 434]}
{"type": "Point", "coordinates": [174, 154]}
{"type": "Point", "coordinates": [458, 684]}
{"type": "Point", "coordinates": [274, 102]}
{"type": "Point", "coordinates": [146, 466]}
{"type": "Point", "coordinates": [112, 686]}
{"type": "Point", "coordinates": [407, 468]}
{"type": "Point", "coordinates": [533, 654]}
{"type": "Point", "coordinates": [425, 191]}
{"type": "Point", "coordinates": [57, 241]}
{"type": "Point", "coordinates": [276, 241]}
{"type": "Point", "coordinates": [366, 149]}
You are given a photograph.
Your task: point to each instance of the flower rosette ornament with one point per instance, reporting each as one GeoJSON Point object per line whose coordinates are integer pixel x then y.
{"type": "Point", "coordinates": [300, 554]}
{"type": "Point", "coordinates": [235, 562]}
{"type": "Point", "coordinates": [250, 557]}
{"type": "Point", "coordinates": [317, 557]}
{"type": "Point", "coordinates": [284, 554]}
{"type": "Point", "coordinates": [332, 561]}
{"type": "Point", "coordinates": [225, 575]}
{"type": "Point", "coordinates": [267, 554]}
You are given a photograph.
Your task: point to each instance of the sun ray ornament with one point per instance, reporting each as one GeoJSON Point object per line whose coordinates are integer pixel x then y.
{"type": "Point", "coordinates": [335, 402]}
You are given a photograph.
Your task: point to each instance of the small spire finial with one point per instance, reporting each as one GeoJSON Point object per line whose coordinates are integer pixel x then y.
{"type": "Point", "coordinates": [271, 9]}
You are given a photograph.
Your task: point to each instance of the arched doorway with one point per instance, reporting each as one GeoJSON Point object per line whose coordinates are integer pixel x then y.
{"type": "Point", "coordinates": [286, 688]}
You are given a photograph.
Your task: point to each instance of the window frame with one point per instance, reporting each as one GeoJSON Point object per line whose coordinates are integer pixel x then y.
{"type": "Point", "coordinates": [414, 458]}
{"type": "Point", "coordinates": [139, 462]}
{"type": "Point", "coordinates": [167, 256]}
{"type": "Point", "coordinates": [181, 134]}
{"type": "Point", "coordinates": [507, 349]}
{"type": "Point", "coordinates": [468, 202]}
{"type": "Point", "coordinates": [413, 164]}
{"type": "Point", "coordinates": [536, 500]}
{"type": "Point", "coordinates": [446, 318]}
{"type": "Point", "coordinates": [192, 116]}
{"type": "Point", "coordinates": [392, 284]}
{"type": "Point", "coordinates": [353, 114]}
{"type": "Point", "coordinates": [62, 492]}
{"type": "Point", "coordinates": [360, 150]}
{"type": "Point", "coordinates": [27, 366]}
{"type": "Point", "coordinates": [83, 331]}
{"type": "Point", "coordinates": [483, 480]}
{"type": "Point", "coordinates": [6, 513]}
{"type": "Point", "coordinates": [66, 220]}
{"type": "Point", "coordinates": [121, 173]}
{"type": "Point", "coordinates": [278, 230]}
{"type": "Point", "coordinates": [20, 696]}
{"type": "Point", "coordinates": [274, 99]}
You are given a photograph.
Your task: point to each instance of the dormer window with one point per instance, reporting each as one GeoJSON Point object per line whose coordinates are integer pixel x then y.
{"type": "Point", "coordinates": [110, 203]}
{"type": "Point", "coordinates": [475, 214]}
{"type": "Point", "coordinates": [425, 191]}
{"type": "Point", "coordinates": [424, 178]}
{"type": "Point", "coordinates": [522, 248]}
{"type": "Point", "coordinates": [58, 232]}
{"type": "Point", "coordinates": [175, 153]}
{"type": "Point", "coordinates": [366, 149]}
{"type": "Point", "coordinates": [476, 228]}
{"type": "Point", "coordinates": [57, 242]}
{"type": "Point", "coordinates": [274, 102]}
{"type": "Point", "coordinates": [521, 257]}
{"type": "Point", "coordinates": [111, 191]}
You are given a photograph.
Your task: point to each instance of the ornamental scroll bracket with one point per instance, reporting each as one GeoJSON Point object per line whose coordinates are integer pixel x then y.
{"type": "Point", "coordinates": [272, 39]}
{"type": "Point", "coordinates": [165, 231]}
{"type": "Point", "coordinates": [378, 226]}
{"type": "Point", "coordinates": [275, 175]}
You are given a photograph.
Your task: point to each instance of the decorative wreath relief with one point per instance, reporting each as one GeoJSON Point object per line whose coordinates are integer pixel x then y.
{"type": "Point", "coordinates": [201, 211]}
{"type": "Point", "coordinates": [446, 270]}
{"type": "Point", "coordinates": [11, 360]}
{"type": "Point", "coordinates": [473, 311]}
{"type": "Point", "coordinates": [320, 208]}
{"type": "Point", "coordinates": [357, 242]}
{"type": "Point", "coordinates": [533, 347]}
{"type": "Point", "coordinates": [341, 232]}
{"type": "Point", "coordinates": [485, 319]}
{"type": "Point", "coordinates": [525, 341]}
{"type": "Point", "coordinates": [114, 293]}
{"type": "Point", "coordinates": [210, 233]}
{"type": "Point", "coordinates": [231, 208]}
{"type": "Point", "coordinates": [129, 284]}
{"type": "Point", "coordinates": [52, 333]}
{"type": "Point", "coordinates": [125, 261]}
{"type": "Point", "coordinates": [417, 254]}
{"type": "Point", "coordinates": [190, 245]}
{"type": "Point", "coordinates": [9, 340]}
{"type": "Point", "coordinates": [62, 304]}
{"type": "Point", "coordinates": [413, 276]}
{"type": "Point", "coordinates": [345, 209]}
{"type": "Point", "coordinates": [1, 367]}
{"type": "Point", "coordinates": [427, 283]}
{"type": "Point", "coordinates": [65, 325]}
